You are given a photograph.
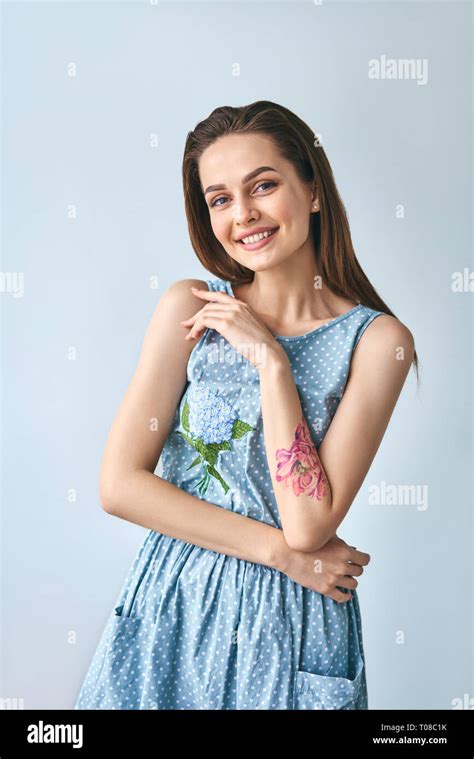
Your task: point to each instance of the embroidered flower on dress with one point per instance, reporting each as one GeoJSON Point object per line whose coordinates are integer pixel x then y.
{"type": "Point", "coordinates": [210, 423]}
{"type": "Point", "coordinates": [210, 416]}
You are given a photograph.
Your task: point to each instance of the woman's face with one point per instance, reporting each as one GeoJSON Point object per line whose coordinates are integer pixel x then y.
{"type": "Point", "coordinates": [271, 199]}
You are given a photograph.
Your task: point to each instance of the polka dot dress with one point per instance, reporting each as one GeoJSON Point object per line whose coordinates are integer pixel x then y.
{"type": "Point", "coordinates": [197, 629]}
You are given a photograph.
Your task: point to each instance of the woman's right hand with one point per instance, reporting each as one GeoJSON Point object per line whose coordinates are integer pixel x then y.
{"type": "Point", "coordinates": [336, 564]}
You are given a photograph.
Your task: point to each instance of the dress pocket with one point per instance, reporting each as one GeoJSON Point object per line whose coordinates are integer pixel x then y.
{"type": "Point", "coordinates": [120, 659]}
{"type": "Point", "coordinates": [121, 621]}
{"type": "Point", "coordinates": [325, 692]}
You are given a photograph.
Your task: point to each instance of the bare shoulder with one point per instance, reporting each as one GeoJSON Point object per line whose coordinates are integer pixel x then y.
{"type": "Point", "coordinates": [179, 294]}
{"type": "Point", "coordinates": [387, 347]}
{"type": "Point", "coordinates": [178, 302]}
{"type": "Point", "coordinates": [386, 332]}
{"type": "Point", "coordinates": [165, 332]}
{"type": "Point", "coordinates": [184, 285]}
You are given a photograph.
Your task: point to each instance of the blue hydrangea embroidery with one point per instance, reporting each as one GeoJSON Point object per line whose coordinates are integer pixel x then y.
{"type": "Point", "coordinates": [210, 424]}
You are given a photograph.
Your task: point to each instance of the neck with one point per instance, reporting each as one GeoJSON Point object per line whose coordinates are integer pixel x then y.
{"type": "Point", "coordinates": [291, 292]}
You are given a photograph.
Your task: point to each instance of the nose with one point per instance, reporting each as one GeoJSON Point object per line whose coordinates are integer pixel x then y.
{"type": "Point", "coordinates": [242, 212]}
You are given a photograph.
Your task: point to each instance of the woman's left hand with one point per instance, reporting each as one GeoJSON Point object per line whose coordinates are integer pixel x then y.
{"type": "Point", "coordinates": [235, 321]}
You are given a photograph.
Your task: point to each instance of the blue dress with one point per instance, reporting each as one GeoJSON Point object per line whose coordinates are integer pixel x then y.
{"type": "Point", "coordinates": [196, 629]}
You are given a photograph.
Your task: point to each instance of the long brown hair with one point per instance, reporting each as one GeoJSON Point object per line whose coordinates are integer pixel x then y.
{"type": "Point", "coordinates": [296, 142]}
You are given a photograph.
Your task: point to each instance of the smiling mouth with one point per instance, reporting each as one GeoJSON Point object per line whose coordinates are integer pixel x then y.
{"type": "Point", "coordinates": [261, 240]}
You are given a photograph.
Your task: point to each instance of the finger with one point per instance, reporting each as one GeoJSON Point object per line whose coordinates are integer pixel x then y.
{"type": "Point", "coordinates": [213, 295]}
{"type": "Point", "coordinates": [194, 316]}
{"type": "Point", "coordinates": [339, 596]}
{"type": "Point", "coordinates": [191, 320]}
{"type": "Point", "coordinates": [204, 322]}
{"type": "Point", "coordinates": [208, 308]}
{"type": "Point", "coordinates": [200, 325]}
{"type": "Point", "coordinates": [353, 569]}
{"type": "Point", "coordinates": [346, 581]}
{"type": "Point", "coordinates": [359, 557]}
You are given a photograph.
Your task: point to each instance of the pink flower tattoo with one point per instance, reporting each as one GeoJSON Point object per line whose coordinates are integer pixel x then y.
{"type": "Point", "coordinates": [300, 467]}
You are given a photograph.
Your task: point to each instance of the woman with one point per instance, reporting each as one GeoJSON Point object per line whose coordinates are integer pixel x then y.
{"type": "Point", "coordinates": [267, 409]}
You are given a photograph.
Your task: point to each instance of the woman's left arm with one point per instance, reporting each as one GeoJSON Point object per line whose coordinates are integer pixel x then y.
{"type": "Point", "coordinates": [314, 488]}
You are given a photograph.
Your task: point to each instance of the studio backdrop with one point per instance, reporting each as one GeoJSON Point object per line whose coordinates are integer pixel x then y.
{"type": "Point", "coordinates": [97, 100]}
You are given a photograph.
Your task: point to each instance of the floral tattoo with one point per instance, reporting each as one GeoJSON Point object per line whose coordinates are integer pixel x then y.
{"type": "Point", "coordinates": [299, 466]}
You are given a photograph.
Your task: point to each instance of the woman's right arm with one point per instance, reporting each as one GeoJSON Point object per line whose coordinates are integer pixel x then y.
{"type": "Point", "coordinates": [130, 490]}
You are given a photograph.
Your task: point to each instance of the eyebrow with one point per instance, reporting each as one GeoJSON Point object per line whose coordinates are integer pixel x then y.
{"type": "Point", "coordinates": [247, 178]}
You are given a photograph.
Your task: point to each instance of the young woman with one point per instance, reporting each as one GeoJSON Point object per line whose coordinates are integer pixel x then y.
{"type": "Point", "coordinates": [267, 410]}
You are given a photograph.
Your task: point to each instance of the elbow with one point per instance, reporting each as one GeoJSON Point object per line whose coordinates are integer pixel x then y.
{"type": "Point", "coordinates": [106, 503]}
{"type": "Point", "coordinates": [311, 538]}
{"type": "Point", "coordinates": [114, 492]}
{"type": "Point", "coordinates": [107, 497]}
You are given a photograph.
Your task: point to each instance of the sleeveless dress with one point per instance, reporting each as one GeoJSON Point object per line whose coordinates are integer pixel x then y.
{"type": "Point", "coordinates": [196, 629]}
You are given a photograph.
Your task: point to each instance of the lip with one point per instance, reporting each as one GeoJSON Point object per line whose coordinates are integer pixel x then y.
{"type": "Point", "coordinates": [255, 231]}
{"type": "Point", "coordinates": [261, 243]}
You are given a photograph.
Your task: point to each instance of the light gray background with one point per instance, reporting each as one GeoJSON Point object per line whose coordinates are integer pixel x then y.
{"type": "Point", "coordinates": [146, 69]}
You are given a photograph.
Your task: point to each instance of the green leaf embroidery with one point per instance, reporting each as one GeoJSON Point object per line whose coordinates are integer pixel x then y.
{"type": "Point", "coordinates": [208, 452]}
{"type": "Point", "coordinates": [186, 416]}
{"type": "Point", "coordinates": [224, 446]}
{"type": "Point", "coordinates": [196, 461]}
{"type": "Point", "coordinates": [240, 428]}
{"type": "Point", "coordinates": [186, 437]}
{"type": "Point", "coordinates": [216, 474]}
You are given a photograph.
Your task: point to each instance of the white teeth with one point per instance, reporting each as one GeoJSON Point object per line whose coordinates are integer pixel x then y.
{"type": "Point", "coordinates": [256, 238]}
